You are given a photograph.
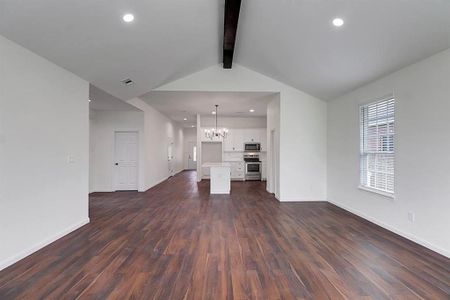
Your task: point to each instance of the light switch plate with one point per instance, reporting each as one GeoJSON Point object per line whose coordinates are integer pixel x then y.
{"type": "Point", "coordinates": [411, 216]}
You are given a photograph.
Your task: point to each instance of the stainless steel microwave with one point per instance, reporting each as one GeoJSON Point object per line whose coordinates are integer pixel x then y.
{"type": "Point", "coordinates": [252, 147]}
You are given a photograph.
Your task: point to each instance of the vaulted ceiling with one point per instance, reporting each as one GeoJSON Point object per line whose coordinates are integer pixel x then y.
{"type": "Point", "coordinates": [292, 41]}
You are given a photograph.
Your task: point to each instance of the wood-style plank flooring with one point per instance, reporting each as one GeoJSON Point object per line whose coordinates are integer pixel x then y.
{"type": "Point", "coordinates": [177, 242]}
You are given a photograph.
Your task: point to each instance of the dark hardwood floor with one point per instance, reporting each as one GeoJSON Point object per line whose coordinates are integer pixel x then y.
{"type": "Point", "coordinates": [178, 242]}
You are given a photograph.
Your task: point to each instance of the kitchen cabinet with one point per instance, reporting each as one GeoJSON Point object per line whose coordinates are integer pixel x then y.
{"type": "Point", "coordinates": [237, 170]}
{"type": "Point", "coordinates": [220, 177]}
{"type": "Point", "coordinates": [236, 139]}
{"type": "Point", "coordinates": [251, 135]}
{"type": "Point", "coordinates": [228, 142]}
{"type": "Point", "coordinates": [264, 170]}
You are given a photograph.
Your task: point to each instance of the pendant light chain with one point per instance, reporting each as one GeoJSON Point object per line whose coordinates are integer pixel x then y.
{"type": "Point", "coordinates": [216, 116]}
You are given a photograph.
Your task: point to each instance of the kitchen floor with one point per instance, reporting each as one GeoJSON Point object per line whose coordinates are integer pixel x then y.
{"type": "Point", "coordinates": [176, 241]}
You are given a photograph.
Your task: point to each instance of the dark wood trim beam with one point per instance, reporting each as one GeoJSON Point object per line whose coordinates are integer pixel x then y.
{"type": "Point", "coordinates": [232, 8]}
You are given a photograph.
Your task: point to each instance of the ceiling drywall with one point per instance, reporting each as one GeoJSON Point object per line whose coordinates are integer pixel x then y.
{"type": "Point", "coordinates": [101, 100]}
{"type": "Point", "coordinates": [167, 40]}
{"type": "Point", "coordinates": [180, 105]}
{"type": "Point", "coordinates": [291, 41]}
{"type": "Point", "coordinates": [295, 42]}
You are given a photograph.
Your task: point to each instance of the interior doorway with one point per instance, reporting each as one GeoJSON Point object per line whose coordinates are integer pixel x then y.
{"type": "Point", "coordinates": [126, 161]}
{"type": "Point", "coordinates": [192, 156]}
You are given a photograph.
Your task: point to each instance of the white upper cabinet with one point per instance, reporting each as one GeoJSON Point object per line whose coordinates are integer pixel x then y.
{"type": "Point", "coordinates": [228, 142]}
{"type": "Point", "coordinates": [251, 135]}
{"type": "Point", "coordinates": [238, 137]}
{"type": "Point", "coordinates": [234, 141]}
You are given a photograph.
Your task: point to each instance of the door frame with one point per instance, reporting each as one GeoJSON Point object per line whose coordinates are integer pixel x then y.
{"type": "Point", "coordinates": [115, 173]}
{"type": "Point", "coordinates": [274, 174]}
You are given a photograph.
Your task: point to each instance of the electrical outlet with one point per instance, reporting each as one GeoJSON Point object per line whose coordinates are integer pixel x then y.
{"type": "Point", "coordinates": [411, 216]}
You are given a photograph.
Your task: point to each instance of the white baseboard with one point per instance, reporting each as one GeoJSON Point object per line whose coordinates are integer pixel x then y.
{"type": "Point", "coordinates": [21, 255]}
{"type": "Point", "coordinates": [394, 230]}
{"type": "Point", "coordinates": [156, 183]}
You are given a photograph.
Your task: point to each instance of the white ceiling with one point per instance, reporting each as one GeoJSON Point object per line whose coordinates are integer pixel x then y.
{"type": "Point", "coordinates": [180, 105]}
{"type": "Point", "coordinates": [289, 40]}
{"type": "Point", "coordinates": [101, 100]}
{"type": "Point", "coordinates": [293, 40]}
{"type": "Point", "coordinates": [169, 39]}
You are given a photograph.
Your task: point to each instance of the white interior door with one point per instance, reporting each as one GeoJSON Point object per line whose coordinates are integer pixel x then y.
{"type": "Point", "coordinates": [126, 161]}
{"type": "Point", "coordinates": [192, 155]}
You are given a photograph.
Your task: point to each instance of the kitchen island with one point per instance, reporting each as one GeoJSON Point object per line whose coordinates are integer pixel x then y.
{"type": "Point", "coordinates": [219, 177]}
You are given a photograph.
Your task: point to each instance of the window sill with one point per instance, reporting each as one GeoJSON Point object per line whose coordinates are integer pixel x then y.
{"type": "Point", "coordinates": [384, 194]}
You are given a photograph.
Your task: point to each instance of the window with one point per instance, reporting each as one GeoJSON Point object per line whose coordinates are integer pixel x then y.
{"type": "Point", "coordinates": [377, 145]}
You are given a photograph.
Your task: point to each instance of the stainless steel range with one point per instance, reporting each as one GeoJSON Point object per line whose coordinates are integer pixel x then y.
{"type": "Point", "coordinates": [252, 166]}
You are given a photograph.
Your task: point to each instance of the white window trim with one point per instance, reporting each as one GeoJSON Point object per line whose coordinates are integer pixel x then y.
{"type": "Point", "coordinates": [366, 188]}
{"type": "Point", "coordinates": [375, 191]}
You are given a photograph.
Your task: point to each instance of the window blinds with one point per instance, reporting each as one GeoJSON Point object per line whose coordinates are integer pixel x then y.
{"type": "Point", "coordinates": [377, 145]}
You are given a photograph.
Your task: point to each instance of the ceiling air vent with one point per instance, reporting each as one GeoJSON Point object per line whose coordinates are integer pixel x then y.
{"type": "Point", "coordinates": [127, 81]}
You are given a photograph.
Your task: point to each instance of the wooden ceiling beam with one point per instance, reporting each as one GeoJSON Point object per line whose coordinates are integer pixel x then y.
{"type": "Point", "coordinates": [232, 8]}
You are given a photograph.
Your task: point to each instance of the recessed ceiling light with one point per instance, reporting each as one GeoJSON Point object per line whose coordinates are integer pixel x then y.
{"type": "Point", "coordinates": [128, 18]}
{"type": "Point", "coordinates": [338, 22]}
{"type": "Point", "coordinates": [213, 112]}
{"type": "Point", "coordinates": [90, 100]}
{"type": "Point", "coordinates": [192, 126]}
{"type": "Point", "coordinates": [251, 110]}
{"type": "Point", "coordinates": [185, 119]}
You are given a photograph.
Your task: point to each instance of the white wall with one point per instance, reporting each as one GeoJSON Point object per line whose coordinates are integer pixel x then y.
{"type": "Point", "coordinates": [422, 145]}
{"type": "Point", "coordinates": [303, 147]}
{"type": "Point", "coordinates": [44, 138]}
{"type": "Point", "coordinates": [234, 122]}
{"type": "Point", "coordinates": [103, 125]}
{"type": "Point", "coordinates": [302, 126]}
{"type": "Point", "coordinates": [159, 131]}
{"type": "Point", "coordinates": [91, 150]}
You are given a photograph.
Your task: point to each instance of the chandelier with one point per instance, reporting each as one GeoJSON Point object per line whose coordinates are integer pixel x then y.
{"type": "Point", "coordinates": [213, 133]}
